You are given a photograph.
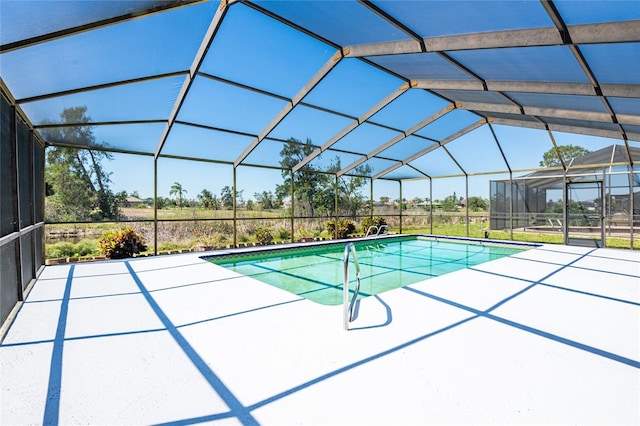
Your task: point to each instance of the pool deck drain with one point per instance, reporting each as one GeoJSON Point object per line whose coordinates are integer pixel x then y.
{"type": "Point", "coordinates": [547, 336]}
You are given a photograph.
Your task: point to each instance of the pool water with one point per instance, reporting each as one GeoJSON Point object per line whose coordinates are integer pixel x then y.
{"type": "Point", "coordinates": [317, 272]}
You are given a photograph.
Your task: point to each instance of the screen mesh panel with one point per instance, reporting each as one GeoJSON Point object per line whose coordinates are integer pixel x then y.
{"type": "Point", "coordinates": [9, 261]}
{"type": "Point", "coordinates": [8, 221]}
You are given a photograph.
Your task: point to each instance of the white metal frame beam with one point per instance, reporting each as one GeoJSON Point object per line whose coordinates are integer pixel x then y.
{"type": "Point", "coordinates": [32, 41]}
{"type": "Point", "coordinates": [602, 117]}
{"type": "Point", "coordinates": [351, 126]}
{"type": "Point", "coordinates": [308, 87]}
{"type": "Point", "coordinates": [555, 88]}
{"type": "Point", "coordinates": [193, 71]}
{"type": "Point", "coordinates": [398, 138]}
{"type": "Point", "coordinates": [431, 148]}
{"type": "Point", "coordinates": [565, 32]}
{"type": "Point", "coordinates": [610, 32]}
{"type": "Point", "coordinates": [612, 134]}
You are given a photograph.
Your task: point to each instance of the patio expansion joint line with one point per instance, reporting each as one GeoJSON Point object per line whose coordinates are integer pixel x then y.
{"type": "Point", "coordinates": [189, 324]}
{"type": "Point", "coordinates": [539, 281]}
{"type": "Point", "coordinates": [487, 314]}
{"type": "Point", "coordinates": [238, 410]}
{"type": "Point", "coordinates": [338, 371]}
{"type": "Point", "coordinates": [558, 287]}
{"type": "Point", "coordinates": [92, 336]}
{"type": "Point", "coordinates": [586, 293]}
{"type": "Point", "coordinates": [356, 364]}
{"type": "Point", "coordinates": [607, 272]}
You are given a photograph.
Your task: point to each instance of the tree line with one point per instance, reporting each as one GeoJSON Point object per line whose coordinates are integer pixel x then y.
{"type": "Point", "coordinates": [77, 183]}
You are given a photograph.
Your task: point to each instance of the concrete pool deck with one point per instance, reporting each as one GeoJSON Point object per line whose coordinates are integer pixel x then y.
{"type": "Point", "coordinates": [547, 336]}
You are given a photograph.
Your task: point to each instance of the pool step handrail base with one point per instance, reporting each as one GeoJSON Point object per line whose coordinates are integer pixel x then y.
{"type": "Point", "coordinates": [378, 230]}
{"type": "Point", "coordinates": [349, 307]}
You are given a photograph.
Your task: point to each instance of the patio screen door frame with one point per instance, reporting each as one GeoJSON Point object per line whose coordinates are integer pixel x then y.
{"type": "Point", "coordinates": [586, 228]}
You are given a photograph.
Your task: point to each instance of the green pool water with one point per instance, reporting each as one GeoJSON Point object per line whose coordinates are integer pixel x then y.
{"type": "Point", "coordinates": [317, 272]}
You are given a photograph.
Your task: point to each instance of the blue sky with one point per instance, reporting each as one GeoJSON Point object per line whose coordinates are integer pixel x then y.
{"type": "Point", "coordinates": [251, 49]}
{"type": "Point", "coordinates": [241, 52]}
{"type": "Point", "coordinates": [524, 148]}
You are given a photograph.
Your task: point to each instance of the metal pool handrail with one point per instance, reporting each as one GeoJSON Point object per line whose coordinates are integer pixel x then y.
{"type": "Point", "coordinates": [369, 230]}
{"type": "Point", "coordinates": [377, 228]}
{"type": "Point", "coordinates": [348, 307]}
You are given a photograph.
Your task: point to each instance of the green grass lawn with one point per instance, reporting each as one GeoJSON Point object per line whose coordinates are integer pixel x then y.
{"type": "Point", "coordinates": [476, 231]}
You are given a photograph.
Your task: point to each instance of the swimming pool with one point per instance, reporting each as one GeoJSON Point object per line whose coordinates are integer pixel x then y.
{"type": "Point", "coordinates": [315, 272]}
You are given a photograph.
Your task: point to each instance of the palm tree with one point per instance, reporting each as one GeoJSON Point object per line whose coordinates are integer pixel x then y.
{"type": "Point", "coordinates": [178, 190]}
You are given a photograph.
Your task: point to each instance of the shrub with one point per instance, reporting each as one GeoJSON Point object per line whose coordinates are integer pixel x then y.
{"type": "Point", "coordinates": [67, 249]}
{"type": "Point", "coordinates": [170, 246]}
{"type": "Point", "coordinates": [303, 232]}
{"type": "Point", "coordinates": [373, 221]}
{"type": "Point", "coordinates": [120, 244]}
{"type": "Point", "coordinates": [62, 249]}
{"type": "Point", "coordinates": [344, 227]}
{"type": "Point", "coordinates": [85, 248]}
{"type": "Point", "coordinates": [263, 235]}
{"type": "Point", "coordinates": [219, 240]}
{"type": "Point", "coordinates": [283, 234]}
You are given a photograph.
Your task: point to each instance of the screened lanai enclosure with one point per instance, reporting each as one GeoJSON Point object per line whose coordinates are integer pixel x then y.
{"type": "Point", "coordinates": [200, 121]}
{"type": "Point", "coordinates": [594, 197]}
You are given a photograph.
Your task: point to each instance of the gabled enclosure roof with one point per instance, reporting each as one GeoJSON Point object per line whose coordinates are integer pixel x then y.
{"type": "Point", "coordinates": [377, 87]}
{"type": "Point", "coordinates": [585, 167]}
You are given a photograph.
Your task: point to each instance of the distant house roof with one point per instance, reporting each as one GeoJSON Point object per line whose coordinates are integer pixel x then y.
{"type": "Point", "coordinates": [134, 200]}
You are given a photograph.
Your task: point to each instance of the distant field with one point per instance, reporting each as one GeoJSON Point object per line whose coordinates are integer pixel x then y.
{"type": "Point", "coordinates": [194, 228]}
{"type": "Point", "coordinates": [133, 213]}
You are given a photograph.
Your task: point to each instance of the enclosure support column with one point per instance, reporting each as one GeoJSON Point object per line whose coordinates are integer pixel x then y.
{"type": "Point", "coordinates": [510, 206]}
{"type": "Point", "coordinates": [631, 204]}
{"type": "Point", "coordinates": [293, 207]}
{"type": "Point", "coordinates": [631, 201]}
{"type": "Point", "coordinates": [605, 206]}
{"type": "Point", "coordinates": [506, 162]}
{"type": "Point", "coordinates": [155, 206]}
{"type": "Point", "coordinates": [565, 211]}
{"type": "Point", "coordinates": [335, 208]}
{"type": "Point", "coordinates": [565, 194]}
{"type": "Point", "coordinates": [30, 195]}
{"type": "Point", "coordinates": [17, 194]}
{"type": "Point", "coordinates": [235, 217]}
{"type": "Point", "coordinates": [371, 197]}
{"type": "Point", "coordinates": [401, 205]}
{"type": "Point", "coordinates": [466, 189]}
{"type": "Point", "coordinates": [40, 212]}
{"type": "Point", "coordinates": [607, 203]}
